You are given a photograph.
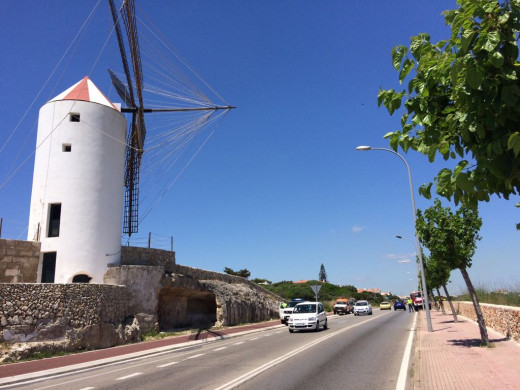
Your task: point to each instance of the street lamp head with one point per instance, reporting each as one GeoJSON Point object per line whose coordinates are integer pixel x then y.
{"type": "Point", "coordinates": [398, 237]}
{"type": "Point", "coordinates": [363, 148]}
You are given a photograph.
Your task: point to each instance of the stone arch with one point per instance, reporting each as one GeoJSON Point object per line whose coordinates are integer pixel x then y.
{"type": "Point", "coordinates": [186, 308]}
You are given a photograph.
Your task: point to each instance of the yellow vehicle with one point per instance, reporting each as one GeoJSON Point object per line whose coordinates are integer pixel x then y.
{"type": "Point", "coordinates": [385, 306]}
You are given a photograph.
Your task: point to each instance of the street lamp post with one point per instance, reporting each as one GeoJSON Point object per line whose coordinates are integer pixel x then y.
{"type": "Point", "coordinates": [421, 263]}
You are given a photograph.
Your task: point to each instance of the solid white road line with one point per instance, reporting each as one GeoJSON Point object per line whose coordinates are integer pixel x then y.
{"type": "Point", "coordinates": [403, 372]}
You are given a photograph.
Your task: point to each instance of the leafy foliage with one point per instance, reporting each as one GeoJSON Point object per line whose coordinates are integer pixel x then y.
{"type": "Point", "coordinates": [328, 291]}
{"type": "Point", "coordinates": [450, 237]}
{"type": "Point", "coordinates": [243, 272]}
{"type": "Point", "coordinates": [462, 101]}
{"type": "Point", "coordinates": [261, 281]}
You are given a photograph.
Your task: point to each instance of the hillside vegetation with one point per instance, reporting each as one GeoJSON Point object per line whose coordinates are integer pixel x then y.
{"type": "Point", "coordinates": [328, 291]}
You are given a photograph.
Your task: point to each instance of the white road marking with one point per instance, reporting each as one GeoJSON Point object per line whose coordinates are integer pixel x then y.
{"type": "Point", "coordinates": [128, 376]}
{"type": "Point", "coordinates": [401, 380]}
{"type": "Point", "coordinates": [219, 349]}
{"type": "Point", "coordinates": [255, 338]}
{"type": "Point", "coordinates": [167, 364]}
{"type": "Point", "coordinates": [87, 388]}
{"type": "Point", "coordinates": [251, 374]}
{"type": "Point", "coordinates": [195, 356]}
{"type": "Point", "coordinates": [240, 342]}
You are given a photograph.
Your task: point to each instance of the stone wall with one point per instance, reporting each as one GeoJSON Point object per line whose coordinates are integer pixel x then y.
{"type": "Point", "coordinates": [133, 255]}
{"type": "Point", "coordinates": [19, 261]}
{"type": "Point", "coordinates": [503, 319]}
{"type": "Point", "coordinates": [82, 316]}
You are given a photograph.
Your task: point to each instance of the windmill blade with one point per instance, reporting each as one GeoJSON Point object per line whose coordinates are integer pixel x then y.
{"type": "Point", "coordinates": [123, 57]}
{"type": "Point", "coordinates": [128, 14]}
{"type": "Point", "coordinates": [121, 89]}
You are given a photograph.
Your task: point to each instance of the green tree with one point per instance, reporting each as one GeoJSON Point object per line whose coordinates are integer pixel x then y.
{"type": "Point", "coordinates": [463, 101]}
{"type": "Point", "coordinates": [243, 272]}
{"type": "Point", "coordinates": [451, 239]}
{"type": "Point", "coordinates": [323, 275]}
{"type": "Point", "coordinates": [437, 274]}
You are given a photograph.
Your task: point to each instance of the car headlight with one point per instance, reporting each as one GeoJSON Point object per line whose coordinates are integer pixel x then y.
{"type": "Point", "coordinates": [311, 319]}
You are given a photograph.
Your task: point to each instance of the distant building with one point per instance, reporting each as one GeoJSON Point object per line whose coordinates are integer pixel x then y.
{"type": "Point", "coordinates": [371, 290]}
{"type": "Point", "coordinates": [300, 282]}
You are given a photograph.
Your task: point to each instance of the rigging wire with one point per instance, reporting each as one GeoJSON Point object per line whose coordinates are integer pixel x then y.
{"type": "Point", "coordinates": [85, 23]}
{"type": "Point", "coordinates": [11, 173]}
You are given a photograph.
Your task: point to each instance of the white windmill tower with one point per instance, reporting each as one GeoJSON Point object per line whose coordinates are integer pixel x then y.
{"type": "Point", "coordinates": [87, 168]}
{"type": "Point", "coordinates": [77, 193]}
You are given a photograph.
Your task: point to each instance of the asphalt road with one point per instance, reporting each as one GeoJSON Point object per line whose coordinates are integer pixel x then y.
{"type": "Point", "coordinates": [362, 352]}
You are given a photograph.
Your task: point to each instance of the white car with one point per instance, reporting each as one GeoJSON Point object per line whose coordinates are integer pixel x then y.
{"type": "Point", "coordinates": [362, 307]}
{"type": "Point", "coordinates": [308, 315]}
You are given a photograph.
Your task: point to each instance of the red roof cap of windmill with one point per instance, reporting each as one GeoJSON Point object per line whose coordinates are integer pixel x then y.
{"type": "Point", "coordinates": [85, 90]}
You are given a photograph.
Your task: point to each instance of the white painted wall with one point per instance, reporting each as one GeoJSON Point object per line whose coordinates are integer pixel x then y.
{"type": "Point", "coordinates": [87, 181]}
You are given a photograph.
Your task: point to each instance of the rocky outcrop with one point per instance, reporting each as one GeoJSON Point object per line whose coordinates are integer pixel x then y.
{"type": "Point", "coordinates": [239, 304]}
{"type": "Point", "coordinates": [191, 297]}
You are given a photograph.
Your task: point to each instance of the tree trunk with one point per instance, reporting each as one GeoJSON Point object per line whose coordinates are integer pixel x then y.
{"type": "Point", "coordinates": [455, 319]}
{"type": "Point", "coordinates": [441, 302]}
{"type": "Point", "coordinates": [476, 305]}
{"type": "Point", "coordinates": [432, 299]}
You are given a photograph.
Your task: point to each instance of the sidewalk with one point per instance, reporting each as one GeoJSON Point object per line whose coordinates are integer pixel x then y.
{"type": "Point", "coordinates": [450, 357]}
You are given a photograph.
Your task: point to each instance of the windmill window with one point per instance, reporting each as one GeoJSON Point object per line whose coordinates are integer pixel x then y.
{"type": "Point", "coordinates": [74, 117]}
{"type": "Point", "coordinates": [54, 220]}
{"type": "Point", "coordinates": [48, 267]}
{"type": "Point", "coordinates": [66, 147]}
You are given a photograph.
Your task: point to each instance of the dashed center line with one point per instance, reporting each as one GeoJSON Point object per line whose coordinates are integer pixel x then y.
{"type": "Point", "coordinates": [128, 376]}
{"type": "Point", "coordinates": [220, 349]}
{"type": "Point", "coordinates": [195, 356]}
{"type": "Point", "coordinates": [240, 342]}
{"type": "Point", "coordinates": [167, 364]}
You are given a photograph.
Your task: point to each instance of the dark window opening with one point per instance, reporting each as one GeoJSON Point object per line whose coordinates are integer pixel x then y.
{"type": "Point", "coordinates": [48, 267]}
{"type": "Point", "coordinates": [54, 220]}
{"type": "Point", "coordinates": [81, 278]}
{"type": "Point", "coordinates": [66, 147]}
{"type": "Point", "coordinates": [74, 117]}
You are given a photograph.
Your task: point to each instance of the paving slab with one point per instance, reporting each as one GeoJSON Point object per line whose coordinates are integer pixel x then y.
{"type": "Point", "coordinates": [451, 357]}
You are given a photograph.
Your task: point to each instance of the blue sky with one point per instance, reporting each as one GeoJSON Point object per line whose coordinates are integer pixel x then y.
{"type": "Point", "coordinates": [278, 188]}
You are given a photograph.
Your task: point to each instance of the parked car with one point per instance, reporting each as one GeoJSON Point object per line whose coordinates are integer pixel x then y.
{"type": "Point", "coordinates": [399, 305]}
{"type": "Point", "coordinates": [362, 307]}
{"type": "Point", "coordinates": [385, 305]}
{"type": "Point", "coordinates": [308, 315]}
